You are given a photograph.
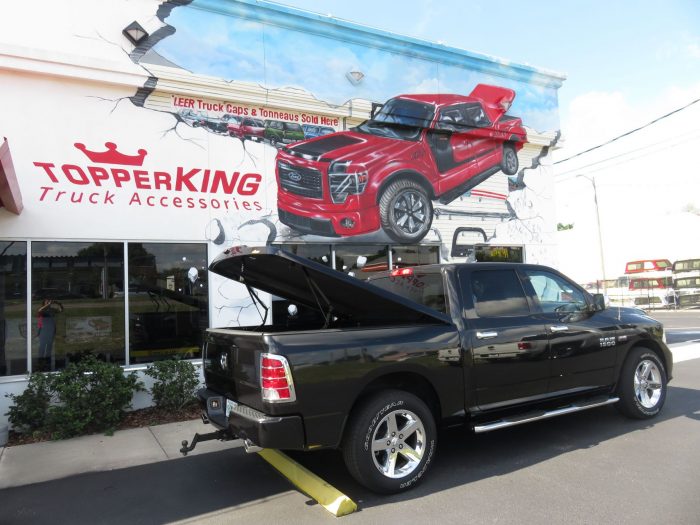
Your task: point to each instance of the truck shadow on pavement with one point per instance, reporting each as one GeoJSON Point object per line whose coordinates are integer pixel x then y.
{"type": "Point", "coordinates": [463, 457]}
{"type": "Point", "coordinates": [206, 484]}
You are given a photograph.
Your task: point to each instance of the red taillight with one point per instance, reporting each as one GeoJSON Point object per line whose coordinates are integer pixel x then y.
{"type": "Point", "coordinates": [276, 379]}
{"type": "Point", "coordinates": [402, 272]}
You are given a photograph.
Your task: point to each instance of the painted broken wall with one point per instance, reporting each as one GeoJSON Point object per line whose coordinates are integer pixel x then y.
{"type": "Point", "coordinates": [107, 144]}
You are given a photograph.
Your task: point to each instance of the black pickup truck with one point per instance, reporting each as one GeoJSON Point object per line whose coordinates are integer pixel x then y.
{"type": "Point", "coordinates": [374, 367]}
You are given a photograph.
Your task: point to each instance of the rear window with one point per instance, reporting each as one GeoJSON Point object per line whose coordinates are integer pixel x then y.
{"type": "Point", "coordinates": [427, 289]}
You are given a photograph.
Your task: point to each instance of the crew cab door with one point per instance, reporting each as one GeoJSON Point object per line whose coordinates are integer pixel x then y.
{"type": "Point", "coordinates": [462, 138]}
{"type": "Point", "coordinates": [508, 342]}
{"type": "Point", "coordinates": [582, 342]}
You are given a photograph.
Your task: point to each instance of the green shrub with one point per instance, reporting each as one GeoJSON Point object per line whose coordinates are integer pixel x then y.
{"type": "Point", "coordinates": [174, 383]}
{"type": "Point", "coordinates": [30, 410]}
{"type": "Point", "coordinates": [91, 396]}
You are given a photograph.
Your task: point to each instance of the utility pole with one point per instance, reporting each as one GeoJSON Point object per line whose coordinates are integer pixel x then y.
{"type": "Point", "coordinates": [600, 231]}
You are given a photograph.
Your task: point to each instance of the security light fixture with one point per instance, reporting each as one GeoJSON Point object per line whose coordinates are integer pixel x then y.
{"type": "Point", "coordinates": [135, 33]}
{"type": "Point", "coordinates": [354, 76]}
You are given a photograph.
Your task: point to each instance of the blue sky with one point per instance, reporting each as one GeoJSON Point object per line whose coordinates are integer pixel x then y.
{"type": "Point", "coordinates": [637, 47]}
{"type": "Point", "coordinates": [236, 48]}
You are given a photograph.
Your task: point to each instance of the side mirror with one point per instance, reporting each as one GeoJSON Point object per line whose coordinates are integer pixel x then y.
{"type": "Point", "coordinates": [599, 302]}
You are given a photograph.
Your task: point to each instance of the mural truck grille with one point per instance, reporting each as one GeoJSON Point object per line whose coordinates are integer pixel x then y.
{"type": "Point", "coordinates": [300, 181]}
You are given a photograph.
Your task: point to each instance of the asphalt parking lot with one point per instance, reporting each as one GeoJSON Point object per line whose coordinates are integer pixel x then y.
{"type": "Point", "coordinates": [591, 467]}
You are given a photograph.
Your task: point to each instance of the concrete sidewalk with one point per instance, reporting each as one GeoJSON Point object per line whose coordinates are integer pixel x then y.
{"type": "Point", "coordinates": [37, 462]}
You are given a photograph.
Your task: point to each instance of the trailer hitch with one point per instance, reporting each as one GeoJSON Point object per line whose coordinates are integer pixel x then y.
{"type": "Point", "coordinates": [221, 435]}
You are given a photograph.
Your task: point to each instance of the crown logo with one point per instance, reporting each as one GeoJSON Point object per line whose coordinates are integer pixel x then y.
{"type": "Point", "coordinates": [112, 156]}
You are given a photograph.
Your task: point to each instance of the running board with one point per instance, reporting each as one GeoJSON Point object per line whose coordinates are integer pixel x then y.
{"type": "Point", "coordinates": [535, 416]}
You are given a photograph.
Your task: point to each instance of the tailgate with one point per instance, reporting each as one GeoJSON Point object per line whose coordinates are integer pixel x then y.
{"type": "Point", "coordinates": [232, 363]}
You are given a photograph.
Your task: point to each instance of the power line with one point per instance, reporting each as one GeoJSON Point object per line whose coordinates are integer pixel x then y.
{"type": "Point", "coordinates": [629, 132]}
{"type": "Point", "coordinates": [624, 161]}
{"type": "Point", "coordinates": [646, 149]}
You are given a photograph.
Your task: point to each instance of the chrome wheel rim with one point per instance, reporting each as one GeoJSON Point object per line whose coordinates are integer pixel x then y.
{"type": "Point", "coordinates": [398, 444]}
{"type": "Point", "coordinates": [410, 212]}
{"type": "Point", "coordinates": [647, 383]}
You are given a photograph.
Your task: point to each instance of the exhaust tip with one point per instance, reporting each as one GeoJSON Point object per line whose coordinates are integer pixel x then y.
{"type": "Point", "coordinates": [250, 447]}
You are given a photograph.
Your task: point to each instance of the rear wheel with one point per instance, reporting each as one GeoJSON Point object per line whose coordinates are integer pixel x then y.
{"type": "Point", "coordinates": [509, 164]}
{"type": "Point", "coordinates": [642, 385]}
{"type": "Point", "coordinates": [390, 442]}
{"type": "Point", "coordinates": [405, 211]}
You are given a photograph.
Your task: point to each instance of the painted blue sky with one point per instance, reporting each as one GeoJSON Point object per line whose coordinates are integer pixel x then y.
{"type": "Point", "coordinates": [638, 48]}
{"type": "Point", "coordinates": [232, 48]}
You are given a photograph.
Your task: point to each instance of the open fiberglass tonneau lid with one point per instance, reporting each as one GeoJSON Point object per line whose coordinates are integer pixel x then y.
{"type": "Point", "coordinates": [311, 284]}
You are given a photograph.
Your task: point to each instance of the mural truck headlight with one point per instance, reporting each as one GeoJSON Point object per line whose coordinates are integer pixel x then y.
{"type": "Point", "coordinates": [346, 179]}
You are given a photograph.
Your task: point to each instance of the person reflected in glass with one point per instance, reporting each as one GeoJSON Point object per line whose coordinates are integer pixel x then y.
{"type": "Point", "coordinates": [47, 330]}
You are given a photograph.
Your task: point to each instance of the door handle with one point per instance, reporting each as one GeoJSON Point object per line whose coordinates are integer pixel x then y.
{"type": "Point", "coordinates": [559, 328]}
{"type": "Point", "coordinates": [486, 335]}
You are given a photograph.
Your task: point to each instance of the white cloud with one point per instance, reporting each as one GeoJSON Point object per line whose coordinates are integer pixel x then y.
{"type": "Point", "coordinates": [643, 180]}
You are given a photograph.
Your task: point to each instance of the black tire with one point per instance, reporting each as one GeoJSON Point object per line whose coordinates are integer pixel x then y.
{"type": "Point", "coordinates": [509, 163]}
{"type": "Point", "coordinates": [400, 462]}
{"type": "Point", "coordinates": [642, 384]}
{"type": "Point", "coordinates": [405, 211]}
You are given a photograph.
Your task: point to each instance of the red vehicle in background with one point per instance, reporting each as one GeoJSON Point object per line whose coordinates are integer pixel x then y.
{"type": "Point", "coordinates": [648, 265]}
{"type": "Point", "coordinates": [247, 128]}
{"type": "Point", "coordinates": [386, 172]}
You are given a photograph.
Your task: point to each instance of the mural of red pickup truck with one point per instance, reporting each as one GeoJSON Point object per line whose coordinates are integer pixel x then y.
{"type": "Point", "coordinates": [386, 172]}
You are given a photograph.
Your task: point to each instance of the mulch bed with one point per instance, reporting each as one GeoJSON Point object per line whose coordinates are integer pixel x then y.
{"type": "Point", "coordinates": [145, 417]}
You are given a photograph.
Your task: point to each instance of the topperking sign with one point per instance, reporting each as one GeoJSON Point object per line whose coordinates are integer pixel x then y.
{"type": "Point", "coordinates": [111, 176]}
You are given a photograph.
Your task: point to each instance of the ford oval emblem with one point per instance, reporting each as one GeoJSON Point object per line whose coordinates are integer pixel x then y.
{"type": "Point", "coordinates": [294, 176]}
{"type": "Point", "coordinates": [223, 361]}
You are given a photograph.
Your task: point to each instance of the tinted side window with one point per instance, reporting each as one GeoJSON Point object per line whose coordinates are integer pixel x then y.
{"type": "Point", "coordinates": [556, 294]}
{"type": "Point", "coordinates": [498, 293]}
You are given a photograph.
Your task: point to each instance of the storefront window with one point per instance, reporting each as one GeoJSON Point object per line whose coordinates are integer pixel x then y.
{"type": "Point", "coordinates": [359, 261]}
{"type": "Point", "coordinates": [168, 301]}
{"type": "Point", "coordinates": [77, 303]}
{"type": "Point", "coordinates": [489, 253]}
{"type": "Point", "coordinates": [13, 308]}
{"type": "Point", "coordinates": [320, 253]}
{"type": "Point", "coordinates": [403, 256]}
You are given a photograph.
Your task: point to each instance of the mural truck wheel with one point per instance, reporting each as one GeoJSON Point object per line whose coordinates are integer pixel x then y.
{"type": "Point", "coordinates": [509, 164]}
{"type": "Point", "coordinates": [405, 211]}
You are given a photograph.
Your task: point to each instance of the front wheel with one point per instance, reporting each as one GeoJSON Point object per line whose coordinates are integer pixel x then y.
{"type": "Point", "coordinates": [405, 211]}
{"type": "Point", "coordinates": [642, 385]}
{"type": "Point", "coordinates": [390, 442]}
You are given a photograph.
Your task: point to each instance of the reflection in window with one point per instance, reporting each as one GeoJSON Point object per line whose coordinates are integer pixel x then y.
{"type": "Point", "coordinates": [403, 256]}
{"type": "Point", "coordinates": [13, 308]}
{"type": "Point", "coordinates": [425, 288]}
{"type": "Point", "coordinates": [489, 253]}
{"type": "Point", "coordinates": [77, 302]}
{"type": "Point", "coordinates": [320, 253]}
{"type": "Point", "coordinates": [168, 300]}
{"type": "Point", "coordinates": [358, 260]}
{"type": "Point", "coordinates": [554, 293]}
{"type": "Point", "coordinates": [498, 293]}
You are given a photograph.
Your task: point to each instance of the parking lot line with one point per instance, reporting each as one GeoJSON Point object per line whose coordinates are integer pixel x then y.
{"type": "Point", "coordinates": [325, 494]}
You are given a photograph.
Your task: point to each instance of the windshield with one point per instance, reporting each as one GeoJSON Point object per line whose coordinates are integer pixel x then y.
{"type": "Point", "coordinates": [400, 119]}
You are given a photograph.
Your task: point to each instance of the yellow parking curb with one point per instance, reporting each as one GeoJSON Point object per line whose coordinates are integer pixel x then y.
{"type": "Point", "coordinates": [328, 496]}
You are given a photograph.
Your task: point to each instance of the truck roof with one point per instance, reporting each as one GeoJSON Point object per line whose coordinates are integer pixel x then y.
{"type": "Point", "coordinates": [439, 99]}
